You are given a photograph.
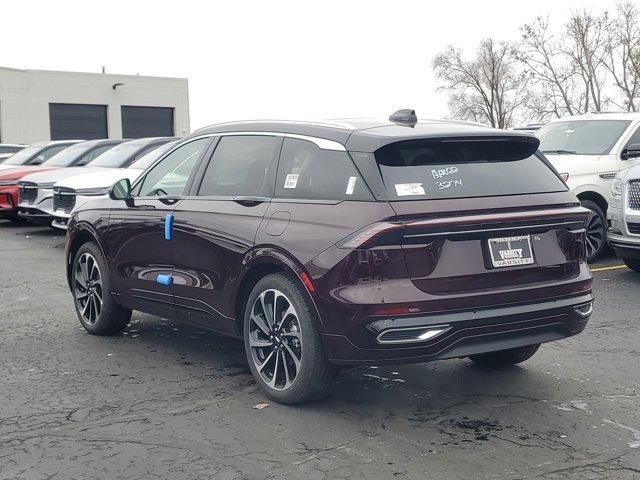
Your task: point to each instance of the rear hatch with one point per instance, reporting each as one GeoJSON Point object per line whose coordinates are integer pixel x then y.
{"type": "Point", "coordinates": [479, 215]}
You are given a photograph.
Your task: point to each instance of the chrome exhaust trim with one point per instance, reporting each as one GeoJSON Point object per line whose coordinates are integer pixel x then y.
{"type": "Point", "coordinates": [411, 334]}
{"type": "Point", "coordinates": [585, 309]}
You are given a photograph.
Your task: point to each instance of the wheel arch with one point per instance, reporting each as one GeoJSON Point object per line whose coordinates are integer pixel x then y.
{"type": "Point", "coordinates": [82, 233]}
{"type": "Point", "coordinates": [594, 197]}
{"type": "Point", "coordinates": [259, 263]}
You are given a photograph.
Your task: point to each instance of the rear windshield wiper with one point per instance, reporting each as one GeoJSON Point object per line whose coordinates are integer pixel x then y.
{"type": "Point", "coordinates": [560, 152]}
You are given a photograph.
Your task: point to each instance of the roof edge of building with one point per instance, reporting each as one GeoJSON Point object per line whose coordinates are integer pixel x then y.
{"type": "Point", "coordinates": [70, 72]}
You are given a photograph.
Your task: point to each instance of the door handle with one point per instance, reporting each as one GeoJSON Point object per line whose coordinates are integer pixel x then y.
{"type": "Point", "coordinates": [249, 200]}
{"type": "Point", "coordinates": [170, 199]}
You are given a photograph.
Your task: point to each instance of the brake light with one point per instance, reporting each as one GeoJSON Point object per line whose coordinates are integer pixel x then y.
{"type": "Point", "coordinates": [383, 233]}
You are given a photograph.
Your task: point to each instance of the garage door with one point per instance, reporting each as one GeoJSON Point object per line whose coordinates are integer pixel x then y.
{"type": "Point", "coordinates": [138, 122]}
{"type": "Point", "coordinates": [74, 121]}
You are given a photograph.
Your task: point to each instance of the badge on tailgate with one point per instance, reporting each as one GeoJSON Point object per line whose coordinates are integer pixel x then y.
{"type": "Point", "coordinates": [511, 251]}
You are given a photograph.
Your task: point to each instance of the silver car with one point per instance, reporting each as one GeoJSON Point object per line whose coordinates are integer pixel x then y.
{"type": "Point", "coordinates": [624, 217]}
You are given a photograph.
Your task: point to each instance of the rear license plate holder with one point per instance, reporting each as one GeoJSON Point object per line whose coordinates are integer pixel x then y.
{"type": "Point", "coordinates": [510, 251]}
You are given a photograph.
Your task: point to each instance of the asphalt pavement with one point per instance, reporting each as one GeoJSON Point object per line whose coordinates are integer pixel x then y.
{"type": "Point", "coordinates": [169, 401]}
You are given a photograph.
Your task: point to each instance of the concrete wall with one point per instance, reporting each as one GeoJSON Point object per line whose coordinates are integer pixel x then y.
{"type": "Point", "coordinates": [25, 96]}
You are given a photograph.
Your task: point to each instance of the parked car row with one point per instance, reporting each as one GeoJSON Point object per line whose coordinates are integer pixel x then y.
{"type": "Point", "coordinates": [330, 244]}
{"type": "Point", "coordinates": [74, 169]}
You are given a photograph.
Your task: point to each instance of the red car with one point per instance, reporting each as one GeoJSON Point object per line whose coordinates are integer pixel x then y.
{"type": "Point", "coordinates": [9, 189]}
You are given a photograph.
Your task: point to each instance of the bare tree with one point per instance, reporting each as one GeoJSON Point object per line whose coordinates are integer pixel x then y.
{"type": "Point", "coordinates": [623, 55]}
{"type": "Point", "coordinates": [586, 48]}
{"type": "Point", "coordinates": [487, 88]}
{"type": "Point", "coordinates": [567, 72]}
{"type": "Point", "coordinates": [552, 76]}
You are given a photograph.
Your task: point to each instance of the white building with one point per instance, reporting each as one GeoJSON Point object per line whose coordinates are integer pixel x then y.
{"type": "Point", "coordinates": [48, 105]}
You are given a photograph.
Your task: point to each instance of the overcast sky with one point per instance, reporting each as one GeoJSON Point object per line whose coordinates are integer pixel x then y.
{"type": "Point", "coordinates": [270, 59]}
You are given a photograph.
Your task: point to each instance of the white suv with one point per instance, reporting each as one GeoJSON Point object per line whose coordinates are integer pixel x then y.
{"type": "Point", "coordinates": [624, 215]}
{"type": "Point", "coordinates": [588, 151]}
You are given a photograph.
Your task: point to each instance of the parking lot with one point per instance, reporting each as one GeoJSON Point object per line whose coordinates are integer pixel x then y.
{"type": "Point", "coordinates": [165, 400]}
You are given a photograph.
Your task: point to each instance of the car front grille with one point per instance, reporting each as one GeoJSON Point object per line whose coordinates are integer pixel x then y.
{"type": "Point", "coordinates": [28, 192]}
{"type": "Point", "coordinates": [634, 194]}
{"type": "Point", "coordinates": [63, 199]}
{"type": "Point", "coordinates": [634, 228]}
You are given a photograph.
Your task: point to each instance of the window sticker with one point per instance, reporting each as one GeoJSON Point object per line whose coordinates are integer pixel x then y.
{"type": "Point", "coordinates": [351, 185]}
{"type": "Point", "coordinates": [291, 181]}
{"type": "Point", "coordinates": [404, 189]}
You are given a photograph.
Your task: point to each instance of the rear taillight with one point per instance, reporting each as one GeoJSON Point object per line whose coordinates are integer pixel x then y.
{"type": "Point", "coordinates": [382, 233]}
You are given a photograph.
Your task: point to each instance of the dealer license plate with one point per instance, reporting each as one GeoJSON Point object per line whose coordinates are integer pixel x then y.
{"type": "Point", "coordinates": [511, 251]}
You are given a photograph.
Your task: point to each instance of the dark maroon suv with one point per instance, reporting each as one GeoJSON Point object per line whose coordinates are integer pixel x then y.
{"type": "Point", "coordinates": [326, 244]}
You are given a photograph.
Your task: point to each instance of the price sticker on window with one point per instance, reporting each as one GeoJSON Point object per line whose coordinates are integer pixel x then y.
{"type": "Point", "coordinates": [351, 185]}
{"type": "Point", "coordinates": [291, 181]}
{"type": "Point", "coordinates": [405, 189]}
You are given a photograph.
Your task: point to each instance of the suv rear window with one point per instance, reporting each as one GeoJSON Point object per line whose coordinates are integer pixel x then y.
{"type": "Point", "coordinates": [427, 169]}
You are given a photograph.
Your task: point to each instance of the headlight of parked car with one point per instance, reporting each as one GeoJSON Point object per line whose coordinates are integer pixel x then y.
{"type": "Point", "coordinates": [92, 191]}
{"type": "Point", "coordinates": [7, 183]}
{"type": "Point", "coordinates": [616, 188]}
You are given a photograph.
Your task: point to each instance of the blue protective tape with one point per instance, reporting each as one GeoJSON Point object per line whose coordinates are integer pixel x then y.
{"type": "Point", "coordinates": [168, 226]}
{"type": "Point", "coordinates": [164, 279]}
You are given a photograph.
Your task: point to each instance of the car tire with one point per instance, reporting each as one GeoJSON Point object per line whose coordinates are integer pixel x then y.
{"type": "Point", "coordinates": [596, 230]}
{"type": "Point", "coordinates": [632, 263]}
{"type": "Point", "coordinates": [504, 358]}
{"type": "Point", "coordinates": [286, 355]}
{"type": "Point", "coordinates": [98, 313]}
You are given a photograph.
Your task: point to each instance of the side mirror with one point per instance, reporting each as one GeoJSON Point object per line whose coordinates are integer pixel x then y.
{"type": "Point", "coordinates": [632, 151]}
{"type": "Point", "coordinates": [121, 190]}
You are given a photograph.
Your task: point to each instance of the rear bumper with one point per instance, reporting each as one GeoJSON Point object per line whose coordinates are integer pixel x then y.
{"type": "Point", "coordinates": [468, 332]}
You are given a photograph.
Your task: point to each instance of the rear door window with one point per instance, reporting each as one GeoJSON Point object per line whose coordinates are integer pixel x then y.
{"type": "Point", "coordinates": [242, 165]}
{"type": "Point", "coordinates": [308, 172]}
{"type": "Point", "coordinates": [422, 169]}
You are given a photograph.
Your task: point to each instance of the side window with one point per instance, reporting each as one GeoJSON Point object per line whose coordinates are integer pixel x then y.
{"type": "Point", "coordinates": [93, 154]}
{"type": "Point", "coordinates": [7, 149]}
{"type": "Point", "coordinates": [170, 175]}
{"type": "Point", "coordinates": [635, 138]}
{"type": "Point", "coordinates": [242, 165]}
{"type": "Point", "coordinates": [308, 172]}
{"type": "Point", "coordinates": [144, 151]}
{"type": "Point", "coordinates": [47, 153]}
